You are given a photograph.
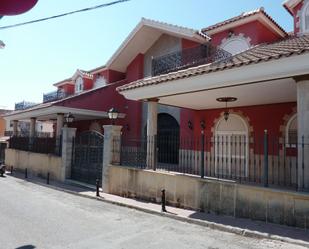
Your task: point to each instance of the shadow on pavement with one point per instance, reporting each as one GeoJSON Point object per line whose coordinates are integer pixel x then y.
{"type": "Point", "coordinates": [258, 226]}
{"type": "Point", "coordinates": [26, 247]}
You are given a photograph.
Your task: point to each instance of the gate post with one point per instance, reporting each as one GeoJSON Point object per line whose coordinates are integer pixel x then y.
{"type": "Point", "coordinates": [111, 152]}
{"type": "Point", "coordinates": [68, 135]}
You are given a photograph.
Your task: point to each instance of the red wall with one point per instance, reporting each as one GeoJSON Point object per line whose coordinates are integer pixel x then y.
{"type": "Point", "coordinates": [269, 117]}
{"type": "Point", "coordinates": [188, 44]}
{"type": "Point", "coordinates": [255, 30]}
{"type": "Point", "coordinates": [105, 98]}
{"type": "Point", "coordinates": [68, 88]}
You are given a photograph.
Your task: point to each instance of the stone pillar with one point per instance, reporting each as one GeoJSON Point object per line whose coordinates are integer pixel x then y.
{"type": "Point", "coordinates": [111, 153]}
{"type": "Point", "coordinates": [15, 127]}
{"type": "Point", "coordinates": [68, 136]}
{"type": "Point", "coordinates": [32, 131]}
{"type": "Point", "coordinates": [152, 130]}
{"type": "Point", "coordinates": [60, 122]}
{"type": "Point", "coordinates": [303, 130]}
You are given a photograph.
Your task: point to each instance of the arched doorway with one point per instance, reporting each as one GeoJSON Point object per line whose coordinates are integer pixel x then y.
{"type": "Point", "coordinates": [168, 139]}
{"type": "Point", "coordinates": [232, 147]}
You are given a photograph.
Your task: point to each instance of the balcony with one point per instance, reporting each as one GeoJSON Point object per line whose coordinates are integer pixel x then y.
{"type": "Point", "coordinates": [24, 105]}
{"type": "Point", "coordinates": [53, 96]}
{"type": "Point", "coordinates": [186, 58]}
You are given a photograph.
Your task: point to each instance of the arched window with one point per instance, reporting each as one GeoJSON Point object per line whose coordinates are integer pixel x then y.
{"type": "Point", "coordinates": [235, 44]}
{"type": "Point", "coordinates": [291, 132]}
{"type": "Point", "coordinates": [232, 147]}
{"type": "Point", "coordinates": [79, 85]}
{"type": "Point", "coordinates": [100, 81]}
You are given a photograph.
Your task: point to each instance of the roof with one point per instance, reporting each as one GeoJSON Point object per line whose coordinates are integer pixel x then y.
{"type": "Point", "coordinates": [57, 102]}
{"type": "Point", "coordinates": [143, 36]}
{"type": "Point", "coordinates": [79, 72]}
{"type": "Point", "coordinates": [290, 5]}
{"type": "Point", "coordinates": [243, 16]}
{"type": "Point", "coordinates": [262, 53]}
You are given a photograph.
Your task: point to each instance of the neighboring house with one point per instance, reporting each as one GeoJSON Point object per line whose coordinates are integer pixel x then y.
{"type": "Point", "coordinates": [242, 70]}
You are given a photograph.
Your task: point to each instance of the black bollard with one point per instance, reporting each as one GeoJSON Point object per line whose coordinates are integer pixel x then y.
{"type": "Point", "coordinates": [26, 173]}
{"type": "Point", "coordinates": [163, 200]}
{"type": "Point", "coordinates": [97, 183]}
{"type": "Point", "coordinates": [47, 179]}
{"type": "Point", "coordinates": [11, 170]}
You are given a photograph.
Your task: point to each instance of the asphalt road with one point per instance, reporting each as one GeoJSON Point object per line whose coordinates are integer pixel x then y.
{"type": "Point", "coordinates": [33, 216]}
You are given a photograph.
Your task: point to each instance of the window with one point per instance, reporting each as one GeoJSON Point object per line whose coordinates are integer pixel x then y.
{"type": "Point", "coordinates": [100, 81]}
{"type": "Point", "coordinates": [235, 44]}
{"type": "Point", "coordinates": [291, 132]}
{"type": "Point", "coordinates": [232, 147]}
{"type": "Point", "coordinates": [79, 85]}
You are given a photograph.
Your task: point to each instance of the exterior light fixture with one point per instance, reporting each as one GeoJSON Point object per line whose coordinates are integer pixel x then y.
{"type": "Point", "coordinates": [203, 125]}
{"type": "Point", "coordinates": [113, 115]}
{"type": "Point", "coordinates": [69, 118]}
{"type": "Point", "coordinates": [190, 125]}
{"type": "Point", "coordinates": [226, 114]}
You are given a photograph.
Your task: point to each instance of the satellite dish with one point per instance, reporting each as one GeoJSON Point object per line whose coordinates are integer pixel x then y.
{"type": "Point", "coordinates": [15, 7]}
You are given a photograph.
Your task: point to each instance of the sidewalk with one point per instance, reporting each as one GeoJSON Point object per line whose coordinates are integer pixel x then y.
{"type": "Point", "coordinates": [244, 227]}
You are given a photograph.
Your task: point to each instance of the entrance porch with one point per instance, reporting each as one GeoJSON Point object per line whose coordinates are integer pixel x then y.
{"type": "Point", "coordinates": [260, 138]}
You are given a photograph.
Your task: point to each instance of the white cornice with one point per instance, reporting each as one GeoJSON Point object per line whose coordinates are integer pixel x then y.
{"type": "Point", "coordinates": [275, 69]}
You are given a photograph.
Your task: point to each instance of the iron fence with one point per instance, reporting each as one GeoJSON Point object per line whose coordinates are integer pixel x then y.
{"type": "Point", "coordinates": [262, 160]}
{"type": "Point", "coordinates": [53, 96]}
{"type": "Point", "coordinates": [43, 145]}
{"type": "Point", "coordinates": [186, 58]}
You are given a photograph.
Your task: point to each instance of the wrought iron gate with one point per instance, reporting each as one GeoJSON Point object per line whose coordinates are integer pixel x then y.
{"type": "Point", "coordinates": [87, 159]}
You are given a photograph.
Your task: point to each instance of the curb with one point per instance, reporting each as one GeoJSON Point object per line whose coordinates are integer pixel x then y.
{"type": "Point", "coordinates": [211, 225]}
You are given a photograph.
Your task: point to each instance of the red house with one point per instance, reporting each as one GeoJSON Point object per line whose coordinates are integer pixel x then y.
{"type": "Point", "coordinates": [205, 97]}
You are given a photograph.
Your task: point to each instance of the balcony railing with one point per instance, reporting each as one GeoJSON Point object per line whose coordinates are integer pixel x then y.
{"type": "Point", "coordinates": [53, 96]}
{"type": "Point", "coordinates": [186, 58]}
{"type": "Point", "coordinates": [24, 105]}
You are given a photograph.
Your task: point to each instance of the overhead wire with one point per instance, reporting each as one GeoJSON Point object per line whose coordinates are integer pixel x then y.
{"type": "Point", "coordinates": [64, 14]}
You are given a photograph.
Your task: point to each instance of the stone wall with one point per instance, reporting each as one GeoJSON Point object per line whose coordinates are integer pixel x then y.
{"type": "Point", "coordinates": [37, 164]}
{"type": "Point", "coordinates": [212, 195]}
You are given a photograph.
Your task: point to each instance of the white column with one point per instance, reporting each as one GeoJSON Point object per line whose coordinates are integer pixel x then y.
{"type": "Point", "coordinates": [15, 128]}
{"type": "Point", "coordinates": [111, 153]}
{"type": "Point", "coordinates": [303, 130]}
{"type": "Point", "coordinates": [152, 130]}
{"type": "Point", "coordinates": [68, 135]}
{"type": "Point", "coordinates": [32, 127]}
{"type": "Point", "coordinates": [60, 122]}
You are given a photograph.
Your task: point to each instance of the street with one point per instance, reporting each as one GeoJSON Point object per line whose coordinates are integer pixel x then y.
{"type": "Point", "coordinates": [34, 216]}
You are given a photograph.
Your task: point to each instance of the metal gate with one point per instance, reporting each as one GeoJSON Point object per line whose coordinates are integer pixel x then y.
{"type": "Point", "coordinates": [87, 159]}
{"type": "Point", "coordinates": [2, 152]}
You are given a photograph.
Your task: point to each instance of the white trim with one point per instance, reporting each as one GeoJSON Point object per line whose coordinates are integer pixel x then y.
{"type": "Point", "coordinates": [240, 37]}
{"type": "Point", "coordinates": [281, 68]}
{"type": "Point", "coordinates": [304, 9]}
{"type": "Point", "coordinates": [50, 110]}
{"type": "Point", "coordinates": [287, 129]}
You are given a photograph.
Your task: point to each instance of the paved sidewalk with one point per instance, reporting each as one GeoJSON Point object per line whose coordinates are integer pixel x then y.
{"type": "Point", "coordinates": [239, 226]}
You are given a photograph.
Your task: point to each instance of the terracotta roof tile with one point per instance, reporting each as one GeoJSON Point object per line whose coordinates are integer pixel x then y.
{"type": "Point", "coordinates": [262, 53]}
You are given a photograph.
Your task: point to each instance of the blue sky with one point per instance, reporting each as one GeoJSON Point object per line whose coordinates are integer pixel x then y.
{"type": "Point", "coordinates": [38, 55]}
